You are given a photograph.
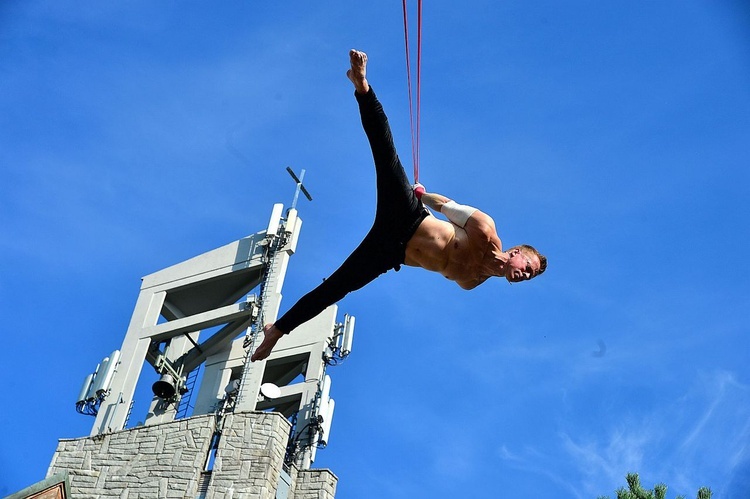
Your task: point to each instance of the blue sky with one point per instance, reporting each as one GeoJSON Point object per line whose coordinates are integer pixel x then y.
{"type": "Point", "coordinates": [611, 135]}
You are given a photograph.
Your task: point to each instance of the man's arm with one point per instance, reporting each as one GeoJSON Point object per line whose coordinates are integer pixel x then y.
{"type": "Point", "coordinates": [458, 214]}
{"type": "Point", "coordinates": [433, 200]}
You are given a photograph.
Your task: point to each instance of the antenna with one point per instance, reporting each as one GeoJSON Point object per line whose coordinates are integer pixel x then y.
{"type": "Point", "coordinates": [104, 379]}
{"type": "Point", "coordinates": [300, 187]}
{"type": "Point", "coordinates": [91, 394]}
{"type": "Point", "coordinates": [85, 389]}
{"type": "Point", "coordinates": [346, 343]}
{"type": "Point", "coordinates": [275, 220]}
{"type": "Point", "coordinates": [325, 426]}
{"type": "Point", "coordinates": [340, 345]}
{"type": "Point", "coordinates": [96, 385]}
{"type": "Point", "coordinates": [326, 391]}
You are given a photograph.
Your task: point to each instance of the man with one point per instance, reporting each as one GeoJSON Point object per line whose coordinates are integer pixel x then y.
{"type": "Point", "coordinates": [465, 250]}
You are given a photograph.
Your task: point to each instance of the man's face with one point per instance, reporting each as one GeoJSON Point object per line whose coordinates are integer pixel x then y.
{"type": "Point", "coordinates": [521, 266]}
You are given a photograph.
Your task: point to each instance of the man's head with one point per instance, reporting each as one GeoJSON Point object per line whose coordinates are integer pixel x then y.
{"type": "Point", "coordinates": [525, 263]}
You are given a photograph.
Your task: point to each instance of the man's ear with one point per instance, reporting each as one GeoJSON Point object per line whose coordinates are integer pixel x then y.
{"type": "Point", "coordinates": [514, 251]}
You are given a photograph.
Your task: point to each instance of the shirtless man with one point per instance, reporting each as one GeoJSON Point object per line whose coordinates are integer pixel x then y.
{"type": "Point", "coordinates": [465, 250]}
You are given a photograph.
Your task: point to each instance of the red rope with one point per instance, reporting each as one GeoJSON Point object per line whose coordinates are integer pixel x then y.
{"type": "Point", "coordinates": [412, 107]}
{"type": "Point", "coordinates": [419, 83]}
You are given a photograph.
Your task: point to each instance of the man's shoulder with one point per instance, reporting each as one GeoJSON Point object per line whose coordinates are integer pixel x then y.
{"type": "Point", "coordinates": [481, 225]}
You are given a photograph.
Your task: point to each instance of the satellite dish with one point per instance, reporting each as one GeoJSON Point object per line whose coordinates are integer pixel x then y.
{"type": "Point", "coordinates": [233, 386]}
{"type": "Point", "coordinates": [270, 391]}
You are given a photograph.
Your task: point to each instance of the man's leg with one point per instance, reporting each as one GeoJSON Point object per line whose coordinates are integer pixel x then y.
{"type": "Point", "coordinates": [396, 205]}
{"type": "Point", "coordinates": [360, 268]}
{"type": "Point", "coordinates": [395, 198]}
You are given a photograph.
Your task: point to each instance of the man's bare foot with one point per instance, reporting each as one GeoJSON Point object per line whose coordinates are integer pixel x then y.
{"type": "Point", "coordinates": [271, 334]}
{"type": "Point", "coordinates": [357, 73]}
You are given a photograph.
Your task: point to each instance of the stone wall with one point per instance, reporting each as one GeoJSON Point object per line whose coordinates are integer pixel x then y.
{"type": "Point", "coordinates": [167, 461]}
{"type": "Point", "coordinates": [250, 455]}
{"type": "Point", "coordinates": [315, 484]}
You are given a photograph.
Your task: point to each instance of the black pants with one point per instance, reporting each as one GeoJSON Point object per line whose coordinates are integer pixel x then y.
{"type": "Point", "coordinates": [397, 217]}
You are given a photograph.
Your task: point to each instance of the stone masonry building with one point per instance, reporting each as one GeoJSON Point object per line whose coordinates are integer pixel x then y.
{"type": "Point", "coordinates": [177, 460]}
{"type": "Point", "coordinates": [240, 429]}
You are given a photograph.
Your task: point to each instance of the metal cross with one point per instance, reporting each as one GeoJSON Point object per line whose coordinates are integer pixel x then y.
{"type": "Point", "coordinates": [300, 187]}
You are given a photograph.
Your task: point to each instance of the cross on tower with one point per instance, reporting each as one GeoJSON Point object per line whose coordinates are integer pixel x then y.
{"type": "Point", "coordinates": [300, 187]}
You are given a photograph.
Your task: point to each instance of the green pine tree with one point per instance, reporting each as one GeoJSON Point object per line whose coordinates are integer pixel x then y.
{"type": "Point", "coordinates": [636, 491]}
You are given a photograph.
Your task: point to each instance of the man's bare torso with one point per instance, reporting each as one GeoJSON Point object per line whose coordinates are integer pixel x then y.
{"type": "Point", "coordinates": [466, 255]}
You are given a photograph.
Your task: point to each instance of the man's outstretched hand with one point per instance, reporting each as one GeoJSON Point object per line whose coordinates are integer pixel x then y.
{"type": "Point", "coordinates": [271, 335]}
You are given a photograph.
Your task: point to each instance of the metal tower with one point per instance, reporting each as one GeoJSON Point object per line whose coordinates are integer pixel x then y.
{"type": "Point", "coordinates": [208, 312]}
